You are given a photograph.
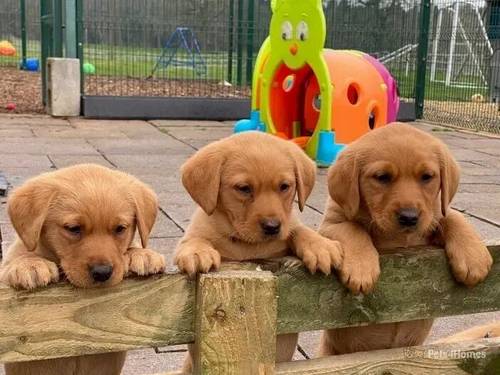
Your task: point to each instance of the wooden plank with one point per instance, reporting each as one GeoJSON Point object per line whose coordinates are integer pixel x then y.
{"type": "Point", "coordinates": [477, 357]}
{"type": "Point", "coordinates": [236, 323]}
{"type": "Point", "coordinates": [414, 284]}
{"type": "Point", "coordinates": [62, 321]}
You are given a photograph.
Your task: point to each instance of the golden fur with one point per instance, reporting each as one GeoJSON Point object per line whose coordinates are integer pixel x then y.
{"type": "Point", "coordinates": [241, 183]}
{"type": "Point", "coordinates": [475, 333]}
{"type": "Point", "coordinates": [79, 219]}
{"type": "Point", "coordinates": [376, 182]}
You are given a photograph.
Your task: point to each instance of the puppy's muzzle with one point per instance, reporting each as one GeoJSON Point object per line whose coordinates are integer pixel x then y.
{"type": "Point", "coordinates": [408, 217]}
{"type": "Point", "coordinates": [101, 272]}
{"type": "Point", "coordinates": [270, 227]}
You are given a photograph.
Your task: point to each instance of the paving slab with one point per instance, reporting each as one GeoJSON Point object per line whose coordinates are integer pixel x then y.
{"type": "Point", "coordinates": [199, 136]}
{"type": "Point", "coordinates": [165, 227]}
{"type": "Point", "coordinates": [187, 123]}
{"type": "Point", "coordinates": [70, 132]}
{"type": "Point", "coordinates": [24, 120]}
{"type": "Point", "coordinates": [61, 161]}
{"type": "Point", "coordinates": [24, 161]}
{"type": "Point", "coordinates": [160, 145]}
{"type": "Point", "coordinates": [149, 165]}
{"type": "Point", "coordinates": [133, 129]}
{"type": "Point", "coordinates": [27, 146]}
{"type": "Point", "coordinates": [6, 133]}
{"type": "Point", "coordinates": [179, 206]}
{"type": "Point", "coordinates": [165, 246]}
{"type": "Point", "coordinates": [487, 231]}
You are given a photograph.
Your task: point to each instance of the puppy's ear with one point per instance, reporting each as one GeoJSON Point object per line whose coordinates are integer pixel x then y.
{"type": "Point", "coordinates": [201, 176]}
{"type": "Point", "coordinates": [343, 183]}
{"type": "Point", "coordinates": [305, 175]}
{"type": "Point", "coordinates": [28, 207]}
{"type": "Point", "coordinates": [450, 176]}
{"type": "Point", "coordinates": [146, 205]}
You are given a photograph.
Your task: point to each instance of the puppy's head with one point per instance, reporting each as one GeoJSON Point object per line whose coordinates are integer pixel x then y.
{"type": "Point", "coordinates": [400, 178]}
{"type": "Point", "coordinates": [86, 216]}
{"type": "Point", "coordinates": [251, 179]}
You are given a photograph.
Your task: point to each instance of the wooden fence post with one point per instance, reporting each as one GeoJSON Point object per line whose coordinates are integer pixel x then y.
{"type": "Point", "coordinates": [236, 323]}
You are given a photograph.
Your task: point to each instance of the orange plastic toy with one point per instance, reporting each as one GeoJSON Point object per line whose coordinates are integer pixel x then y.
{"type": "Point", "coordinates": [319, 98]}
{"type": "Point", "coordinates": [360, 99]}
{"type": "Point", "coordinates": [7, 49]}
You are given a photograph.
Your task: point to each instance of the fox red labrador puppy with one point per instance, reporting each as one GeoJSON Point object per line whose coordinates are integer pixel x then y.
{"type": "Point", "coordinates": [393, 188]}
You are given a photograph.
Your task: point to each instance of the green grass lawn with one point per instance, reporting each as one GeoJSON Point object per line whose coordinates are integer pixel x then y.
{"type": "Point", "coordinates": [438, 90]}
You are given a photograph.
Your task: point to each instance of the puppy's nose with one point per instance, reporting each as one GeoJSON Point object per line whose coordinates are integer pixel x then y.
{"type": "Point", "coordinates": [270, 227]}
{"type": "Point", "coordinates": [408, 217]}
{"type": "Point", "coordinates": [101, 272]}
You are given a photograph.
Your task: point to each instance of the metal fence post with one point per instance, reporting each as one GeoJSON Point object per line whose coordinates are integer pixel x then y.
{"type": "Point", "coordinates": [239, 48]}
{"type": "Point", "coordinates": [70, 28]}
{"type": "Point", "coordinates": [46, 46]}
{"type": "Point", "coordinates": [250, 37]}
{"type": "Point", "coordinates": [23, 33]}
{"type": "Point", "coordinates": [423, 43]}
{"type": "Point", "coordinates": [231, 42]}
{"type": "Point", "coordinates": [79, 41]}
{"type": "Point", "coordinates": [57, 29]}
{"type": "Point", "coordinates": [51, 21]}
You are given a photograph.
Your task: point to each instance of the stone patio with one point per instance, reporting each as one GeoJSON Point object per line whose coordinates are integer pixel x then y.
{"type": "Point", "coordinates": [154, 150]}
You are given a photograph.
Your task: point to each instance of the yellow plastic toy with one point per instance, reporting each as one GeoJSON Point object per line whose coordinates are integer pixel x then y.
{"type": "Point", "coordinates": [313, 96]}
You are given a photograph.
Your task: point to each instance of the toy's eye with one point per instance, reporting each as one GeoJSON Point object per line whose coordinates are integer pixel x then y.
{"type": "Point", "coordinates": [371, 120]}
{"type": "Point", "coordinates": [286, 30]}
{"type": "Point", "coordinates": [317, 103]}
{"type": "Point", "coordinates": [302, 31]}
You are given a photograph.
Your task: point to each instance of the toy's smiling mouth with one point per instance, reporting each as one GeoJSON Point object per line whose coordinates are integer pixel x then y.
{"type": "Point", "coordinates": [294, 48]}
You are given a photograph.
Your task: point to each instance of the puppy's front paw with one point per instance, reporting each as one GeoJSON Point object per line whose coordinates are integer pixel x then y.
{"type": "Point", "coordinates": [145, 262]}
{"type": "Point", "coordinates": [192, 260]}
{"type": "Point", "coordinates": [470, 263]}
{"type": "Point", "coordinates": [360, 270]}
{"type": "Point", "coordinates": [321, 253]}
{"type": "Point", "coordinates": [31, 273]}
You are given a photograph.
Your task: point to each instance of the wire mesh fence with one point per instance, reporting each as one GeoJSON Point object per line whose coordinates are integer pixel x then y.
{"type": "Point", "coordinates": [171, 48]}
{"type": "Point", "coordinates": [11, 30]}
{"type": "Point", "coordinates": [20, 90]}
{"type": "Point", "coordinates": [208, 47]}
{"type": "Point", "coordinates": [463, 77]}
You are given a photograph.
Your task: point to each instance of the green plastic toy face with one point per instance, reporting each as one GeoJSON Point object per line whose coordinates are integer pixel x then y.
{"type": "Point", "coordinates": [298, 31]}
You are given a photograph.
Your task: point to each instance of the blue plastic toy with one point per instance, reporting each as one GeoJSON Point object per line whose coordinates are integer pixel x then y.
{"type": "Point", "coordinates": [31, 65]}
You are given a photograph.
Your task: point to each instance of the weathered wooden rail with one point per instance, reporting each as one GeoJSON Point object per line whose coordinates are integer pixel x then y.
{"type": "Point", "coordinates": [235, 315]}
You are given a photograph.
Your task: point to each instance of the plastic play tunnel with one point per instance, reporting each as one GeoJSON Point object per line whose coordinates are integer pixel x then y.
{"type": "Point", "coordinates": [364, 95]}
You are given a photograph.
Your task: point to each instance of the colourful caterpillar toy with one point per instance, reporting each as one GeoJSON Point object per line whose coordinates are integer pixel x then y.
{"type": "Point", "coordinates": [319, 98]}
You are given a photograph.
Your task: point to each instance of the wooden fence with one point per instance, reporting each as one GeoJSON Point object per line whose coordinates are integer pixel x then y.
{"type": "Point", "coordinates": [235, 315]}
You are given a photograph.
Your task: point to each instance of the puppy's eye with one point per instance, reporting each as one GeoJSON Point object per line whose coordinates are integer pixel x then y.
{"type": "Point", "coordinates": [426, 177]}
{"type": "Point", "coordinates": [383, 178]}
{"type": "Point", "coordinates": [119, 229]}
{"type": "Point", "coordinates": [75, 230]}
{"type": "Point", "coordinates": [243, 189]}
{"type": "Point", "coordinates": [284, 187]}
